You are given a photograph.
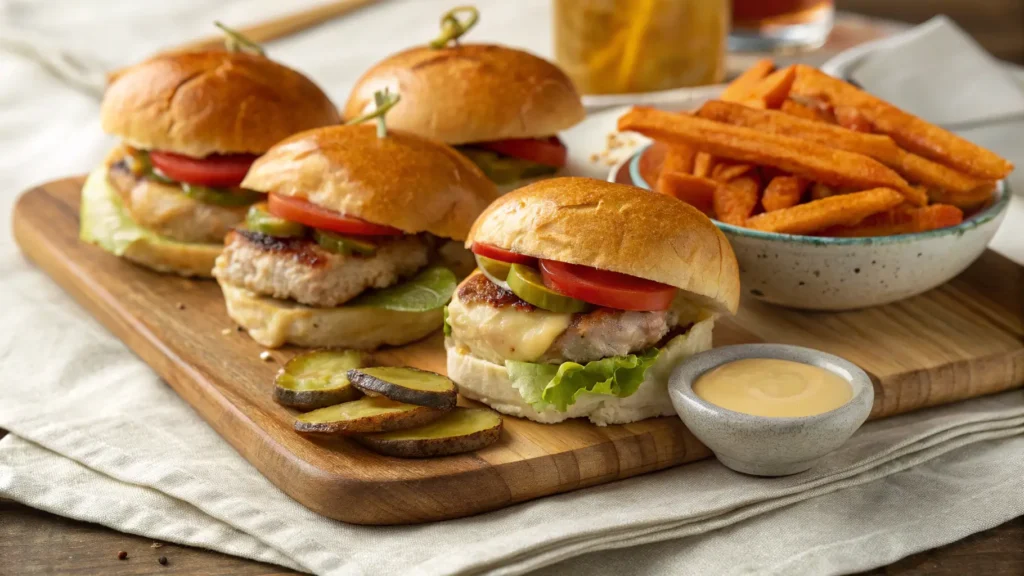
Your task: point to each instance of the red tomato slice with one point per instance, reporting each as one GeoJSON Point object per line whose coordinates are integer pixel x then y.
{"type": "Point", "coordinates": [604, 288]}
{"type": "Point", "coordinates": [495, 253]}
{"type": "Point", "coordinates": [547, 151]}
{"type": "Point", "coordinates": [218, 171]}
{"type": "Point", "coordinates": [303, 212]}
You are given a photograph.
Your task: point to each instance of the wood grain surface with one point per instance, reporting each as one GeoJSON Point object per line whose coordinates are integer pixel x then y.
{"type": "Point", "coordinates": [959, 341]}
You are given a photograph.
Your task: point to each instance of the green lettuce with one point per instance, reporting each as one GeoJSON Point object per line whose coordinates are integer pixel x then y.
{"type": "Point", "coordinates": [429, 290]}
{"type": "Point", "coordinates": [447, 326]}
{"type": "Point", "coordinates": [560, 386]}
{"type": "Point", "coordinates": [106, 223]}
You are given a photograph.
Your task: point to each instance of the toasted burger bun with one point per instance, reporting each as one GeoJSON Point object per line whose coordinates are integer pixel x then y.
{"type": "Point", "coordinates": [212, 102]}
{"type": "Point", "coordinates": [106, 223]}
{"type": "Point", "coordinates": [402, 180]}
{"type": "Point", "coordinates": [471, 93]}
{"type": "Point", "coordinates": [274, 323]}
{"type": "Point", "coordinates": [618, 228]}
{"type": "Point", "coordinates": [489, 383]}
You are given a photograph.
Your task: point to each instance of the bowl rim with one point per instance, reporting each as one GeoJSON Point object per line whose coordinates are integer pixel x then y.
{"type": "Point", "coordinates": [684, 375]}
{"type": "Point", "coordinates": [995, 209]}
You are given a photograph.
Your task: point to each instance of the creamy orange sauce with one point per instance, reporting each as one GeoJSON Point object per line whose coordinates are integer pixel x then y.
{"type": "Point", "coordinates": [775, 388]}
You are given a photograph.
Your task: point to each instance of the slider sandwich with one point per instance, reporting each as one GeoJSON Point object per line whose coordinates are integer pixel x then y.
{"type": "Point", "coordinates": [501, 107]}
{"type": "Point", "coordinates": [190, 124]}
{"type": "Point", "coordinates": [359, 243]}
{"type": "Point", "coordinates": [587, 295]}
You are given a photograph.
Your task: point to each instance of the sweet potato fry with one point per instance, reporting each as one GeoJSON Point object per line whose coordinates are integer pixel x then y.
{"type": "Point", "coordinates": [901, 221]}
{"type": "Point", "coordinates": [935, 175]}
{"type": "Point", "coordinates": [679, 158]}
{"type": "Point", "coordinates": [703, 164]}
{"type": "Point", "coordinates": [850, 118]}
{"type": "Point", "coordinates": [783, 192]}
{"type": "Point", "coordinates": [877, 146]}
{"type": "Point", "coordinates": [842, 210]}
{"type": "Point", "coordinates": [741, 86]}
{"type": "Point", "coordinates": [909, 131]}
{"type": "Point", "coordinates": [969, 201]}
{"type": "Point", "coordinates": [652, 160]}
{"type": "Point", "coordinates": [819, 191]}
{"type": "Point", "coordinates": [694, 190]}
{"type": "Point", "coordinates": [773, 90]}
{"type": "Point", "coordinates": [735, 202]}
{"type": "Point", "coordinates": [726, 171]}
{"type": "Point", "coordinates": [796, 156]}
{"type": "Point", "coordinates": [794, 108]}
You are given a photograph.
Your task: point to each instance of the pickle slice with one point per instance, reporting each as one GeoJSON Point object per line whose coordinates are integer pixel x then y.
{"type": "Point", "coordinates": [461, 430]}
{"type": "Point", "coordinates": [217, 197]}
{"type": "Point", "coordinates": [345, 245]}
{"type": "Point", "coordinates": [365, 416]}
{"type": "Point", "coordinates": [526, 283]}
{"type": "Point", "coordinates": [259, 219]}
{"type": "Point", "coordinates": [317, 379]}
{"type": "Point", "coordinates": [495, 270]}
{"type": "Point", "coordinates": [408, 385]}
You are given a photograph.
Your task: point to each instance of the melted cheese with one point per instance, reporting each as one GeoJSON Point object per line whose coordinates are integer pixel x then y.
{"type": "Point", "coordinates": [499, 334]}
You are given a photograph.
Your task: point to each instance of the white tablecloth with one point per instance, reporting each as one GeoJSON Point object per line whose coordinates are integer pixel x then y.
{"type": "Point", "coordinates": [97, 436]}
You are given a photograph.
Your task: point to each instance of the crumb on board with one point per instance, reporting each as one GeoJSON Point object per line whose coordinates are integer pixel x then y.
{"type": "Point", "coordinates": [265, 356]}
{"type": "Point", "coordinates": [226, 331]}
{"type": "Point", "coordinates": [156, 545]}
{"type": "Point", "coordinates": [179, 306]}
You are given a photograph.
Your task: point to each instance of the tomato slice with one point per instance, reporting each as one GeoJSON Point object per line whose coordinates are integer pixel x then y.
{"type": "Point", "coordinates": [604, 288]}
{"type": "Point", "coordinates": [496, 253]}
{"type": "Point", "coordinates": [303, 212]}
{"type": "Point", "coordinates": [547, 151]}
{"type": "Point", "coordinates": [219, 171]}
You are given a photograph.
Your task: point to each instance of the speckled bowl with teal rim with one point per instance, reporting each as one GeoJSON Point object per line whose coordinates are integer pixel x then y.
{"type": "Point", "coordinates": [820, 273]}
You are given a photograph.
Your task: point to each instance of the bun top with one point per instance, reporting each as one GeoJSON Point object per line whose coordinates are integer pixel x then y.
{"type": "Point", "coordinates": [618, 228]}
{"type": "Point", "coordinates": [471, 93]}
{"type": "Point", "coordinates": [402, 180]}
{"type": "Point", "coordinates": [212, 102]}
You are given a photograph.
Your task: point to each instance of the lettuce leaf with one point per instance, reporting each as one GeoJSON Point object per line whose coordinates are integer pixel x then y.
{"type": "Point", "coordinates": [447, 326]}
{"type": "Point", "coordinates": [560, 386]}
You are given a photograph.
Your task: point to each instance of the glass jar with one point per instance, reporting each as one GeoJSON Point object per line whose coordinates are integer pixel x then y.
{"type": "Point", "coordinates": [629, 46]}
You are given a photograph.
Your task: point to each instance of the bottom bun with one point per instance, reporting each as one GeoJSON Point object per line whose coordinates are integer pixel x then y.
{"type": "Point", "coordinates": [106, 223]}
{"type": "Point", "coordinates": [273, 323]}
{"type": "Point", "coordinates": [489, 383]}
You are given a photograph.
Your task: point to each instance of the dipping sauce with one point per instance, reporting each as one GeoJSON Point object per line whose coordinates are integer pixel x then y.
{"type": "Point", "coordinates": [775, 388]}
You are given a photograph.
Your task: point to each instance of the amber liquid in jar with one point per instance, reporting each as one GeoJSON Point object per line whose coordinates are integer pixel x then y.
{"type": "Point", "coordinates": [629, 46]}
{"type": "Point", "coordinates": [771, 24]}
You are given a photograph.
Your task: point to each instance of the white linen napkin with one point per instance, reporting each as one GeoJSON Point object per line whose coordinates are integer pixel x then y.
{"type": "Point", "coordinates": [97, 436]}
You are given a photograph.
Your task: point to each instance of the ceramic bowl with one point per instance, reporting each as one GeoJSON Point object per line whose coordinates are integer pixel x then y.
{"type": "Point", "coordinates": [819, 273]}
{"type": "Point", "coordinates": [761, 445]}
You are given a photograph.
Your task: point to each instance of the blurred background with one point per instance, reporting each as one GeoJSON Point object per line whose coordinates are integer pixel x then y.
{"type": "Point", "coordinates": [997, 24]}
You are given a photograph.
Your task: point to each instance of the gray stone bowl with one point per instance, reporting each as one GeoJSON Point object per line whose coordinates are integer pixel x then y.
{"type": "Point", "coordinates": [761, 445]}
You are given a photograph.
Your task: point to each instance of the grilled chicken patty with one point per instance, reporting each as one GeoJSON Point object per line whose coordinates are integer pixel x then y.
{"type": "Point", "coordinates": [301, 270]}
{"type": "Point", "coordinates": [496, 325]}
{"type": "Point", "coordinates": [166, 210]}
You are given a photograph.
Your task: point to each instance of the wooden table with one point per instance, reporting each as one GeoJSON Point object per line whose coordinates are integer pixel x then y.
{"type": "Point", "coordinates": [35, 542]}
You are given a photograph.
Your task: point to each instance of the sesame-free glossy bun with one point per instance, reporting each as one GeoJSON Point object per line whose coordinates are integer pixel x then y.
{"type": "Point", "coordinates": [212, 102]}
{"type": "Point", "coordinates": [471, 93]}
{"type": "Point", "coordinates": [402, 180]}
{"type": "Point", "coordinates": [618, 228]}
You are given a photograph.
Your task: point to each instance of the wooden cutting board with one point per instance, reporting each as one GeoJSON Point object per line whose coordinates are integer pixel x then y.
{"type": "Point", "coordinates": [959, 341]}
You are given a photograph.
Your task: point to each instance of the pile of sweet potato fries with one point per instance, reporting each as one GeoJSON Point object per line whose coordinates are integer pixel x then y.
{"type": "Point", "coordinates": [797, 151]}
